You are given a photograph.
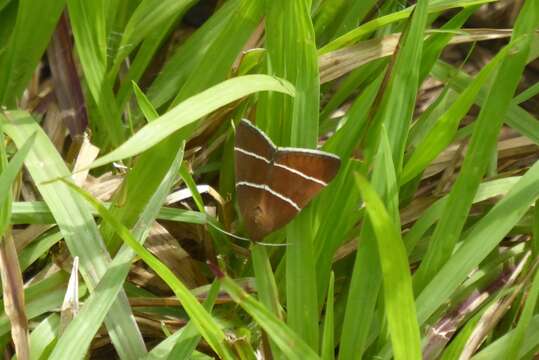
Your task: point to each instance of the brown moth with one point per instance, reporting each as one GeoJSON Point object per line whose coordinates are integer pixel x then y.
{"type": "Point", "coordinates": [274, 184]}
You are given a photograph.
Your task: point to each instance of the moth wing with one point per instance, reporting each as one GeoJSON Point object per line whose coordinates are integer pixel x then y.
{"type": "Point", "coordinates": [300, 174]}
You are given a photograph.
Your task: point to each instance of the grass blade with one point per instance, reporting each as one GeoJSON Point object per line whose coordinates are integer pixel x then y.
{"type": "Point", "coordinates": [88, 22]}
{"type": "Point", "coordinates": [397, 105]}
{"type": "Point", "coordinates": [517, 338]}
{"type": "Point", "coordinates": [266, 286]}
{"type": "Point", "coordinates": [398, 294]}
{"type": "Point", "coordinates": [76, 224]}
{"type": "Point", "coordinates": [7, 177]}
{"type": "Point", "coordinates": [292, 55]}
{"type": "Point", "coordinates": [328, 340]}
{"type": "Point", "coordinates": [516, 117]}
{"type": "Point", "coordinates": [78, 335]}
{"type": "Point", "coordinates": [188, 57]}
{"type": "Point", "coordinates": [292, 346]}
{"type": "Point", "coordinates": [445, 128]}
{"type": "Point", "coordinates": [22, 54]}
{"type": "Point", "coordinates": [371, 26]}
{"type": "Point", "coordinates": [479, 242]}
{"type": "Point", "coordinates": [147, 18]}
{"type": "Point", "coordinates": [188, 339]}
{"type": "Point", "coordinates": [481, 146]}
{"type": "Point", "coordinates": [191, 110]}
{"type": "Point", "coordinates": [200, 317]}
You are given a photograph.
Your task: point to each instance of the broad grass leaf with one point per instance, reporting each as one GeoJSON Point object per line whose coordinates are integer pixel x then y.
{"type": "Point", "coordinates": [191, 110]}
{"type": "Point", "coordinates": [398, 293]}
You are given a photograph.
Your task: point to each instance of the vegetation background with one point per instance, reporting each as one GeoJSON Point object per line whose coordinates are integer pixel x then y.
{"type": "Point", "coordinates": [117, 127]}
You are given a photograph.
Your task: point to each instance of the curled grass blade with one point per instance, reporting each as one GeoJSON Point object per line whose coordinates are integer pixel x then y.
{"type": "Point", "coordinates": [191, 110]}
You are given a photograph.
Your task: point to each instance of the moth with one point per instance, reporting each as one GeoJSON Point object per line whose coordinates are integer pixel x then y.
{"type": "Point", "coordinates": [273, 184]}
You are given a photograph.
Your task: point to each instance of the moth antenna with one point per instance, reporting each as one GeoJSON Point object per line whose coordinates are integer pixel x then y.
{"type": "Point", "coordinates": [211, 223]}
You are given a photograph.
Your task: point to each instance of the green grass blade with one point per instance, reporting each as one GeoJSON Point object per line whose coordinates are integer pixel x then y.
{"type": "Point", "coordinates": [359, 315]}
{"type": "Point", "coordinates": [496, 349]}
{"type": "Point", "coordinates": [436, 43]}
{"type": "Point", "coordinates": [192, 186]}
{"type": "Point", "coordinates": [144, 104]}
{"type": "Point", "coordinates": [215, 65]}
{"type": "Point", "coordinates": [8, 174]}
{"type": "Point", "coordinates": [292, 346]}
{"type": "Point", "coordinates": [37, 249]}
{"type": "Point", "coordinates": [225, 48]}
{"type": "Point", "coordinates": [76, 224]}
{"type": "Point", "coordinates": [354, 15]}
{"type": "Point", "coordinates": [77, 337]}
{"type": "Point", "coordinates": [41, 298]}
{"type": "Point", "coordinates": [516, 117]}
{"type": "Point", "coordinates": [87, 21]}
{"type": "Point", "coordinates": [328, 337]}
{"type": "Point", "coordinates": [397, 105]}
{"type": "Point", "coordinates": [328, 13]}
{"type": "Point", "coordinates": [445, 128]}
{"type": "Point", "coordinates": [527, 94]}
{"type": "Point", "coordinates": [188, 339]}
{"type": "Point", "coordinates": [19, 58]}
{"type": "Point", "coordinates": [341, 196]}
{"type": "Point", "coordinates": [373, 25]}
{"type": "Point", "coordinates": [200, 317]}
{"type": "Point", "coordinates": [535, 232]}
{"type": "Point", "coordinates": [359, 311]}
{"type": "Point", "coordinates": [43, 337]}
{"type": "Point", "coordinates": [191, 110]}
{"type": "Point", "coordinates": [188, 56]}
{"type": "Point", "coordinates": [517, 338]}
{"type": "Point", "coordinates": [290, 42]}
{"type": "Point", "coordinates": [266, 286]}
{"type": "Point", "coordinates": [430, 216]}
{"type": "Point", "coordinates": [206, 61]}
{"type": "Point", "coordinates": [481, 146]}
{"type": "Point", "coordinates": [398, 294]}
{"type": "Point", "coordinates": [37, 212]}
{"type": "Point", "coordinates": [479, 242]}
{"type": "Point", "coordinates": [148, 17]}
{"type": "Point", "coordinates": [148, 50]}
